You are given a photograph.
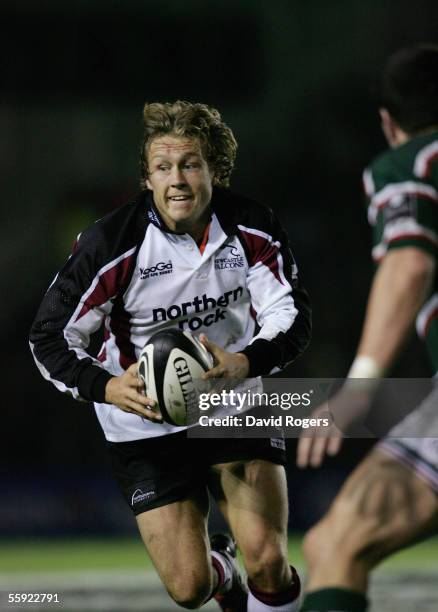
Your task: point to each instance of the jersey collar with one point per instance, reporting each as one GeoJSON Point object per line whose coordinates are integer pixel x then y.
{"type": "Point", "coordinates": [154, 216]}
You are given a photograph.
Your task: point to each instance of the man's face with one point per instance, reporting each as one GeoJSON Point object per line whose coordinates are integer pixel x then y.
{"type": "Point", "coordinates": [181, 181]}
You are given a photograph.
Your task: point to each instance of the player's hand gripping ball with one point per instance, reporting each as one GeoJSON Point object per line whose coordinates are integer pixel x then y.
{"type": "Point", "coordinates": [169, 365]}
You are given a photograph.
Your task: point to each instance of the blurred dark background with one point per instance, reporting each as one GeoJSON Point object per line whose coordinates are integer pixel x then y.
{"type": "Point", "coordinates": [295, 80]}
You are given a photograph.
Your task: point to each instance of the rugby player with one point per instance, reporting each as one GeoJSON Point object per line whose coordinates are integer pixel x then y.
{"type": "Point", "coordinates": [187, 253]}
{"type": "Point", "coordinates": [390, 501]}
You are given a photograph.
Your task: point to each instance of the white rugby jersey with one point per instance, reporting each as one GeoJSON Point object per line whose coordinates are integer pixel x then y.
{"type": "Point", "coordinates": [131, 276]}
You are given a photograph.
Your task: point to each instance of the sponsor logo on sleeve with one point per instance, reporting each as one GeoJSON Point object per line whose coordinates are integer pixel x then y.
{"type": "Point", "coordinates": [401, 206]}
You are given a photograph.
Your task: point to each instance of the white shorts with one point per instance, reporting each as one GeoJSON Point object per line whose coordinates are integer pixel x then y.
{"type": "Point", "coordinates": [414, 441]}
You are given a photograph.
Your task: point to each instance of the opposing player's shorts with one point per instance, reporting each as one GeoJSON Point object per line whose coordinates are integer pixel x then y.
{"type": "Point", "coordinates": [158, 471]}
{"type": "Point", "coordinates": [414, 441]}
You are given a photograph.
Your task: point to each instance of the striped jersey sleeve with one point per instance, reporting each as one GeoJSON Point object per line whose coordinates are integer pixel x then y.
{"type": "Point", "coordinates": [402, 193]}
{"type": "Point", "coordinates": [279, 303]}
{"type": "Point", "coordinates": [74, 307]}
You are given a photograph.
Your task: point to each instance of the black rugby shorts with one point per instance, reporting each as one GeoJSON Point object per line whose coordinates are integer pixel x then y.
{"type": "Point", "coordinates": [155, 472]}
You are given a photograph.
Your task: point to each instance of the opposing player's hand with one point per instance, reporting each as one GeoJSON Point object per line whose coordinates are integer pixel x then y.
{"type": "Point", "coordinates": [349, 405]}
{"type": "Point", "coordinates": [317, 442]}
{"type": "Point", "coordinates": [125, 392]}
{"type": "Point", "coordinates": [226, 365]}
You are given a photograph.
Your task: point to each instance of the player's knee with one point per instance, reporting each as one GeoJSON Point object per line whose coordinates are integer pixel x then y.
{"type": "Point", "coordinates": [190, 599]}
{"type": "Point", "coordinates": [316, 545]}
{"type": "Point", "coordinates": [191, 594]}
{"type": "Point", "coordinates": [343, 534]}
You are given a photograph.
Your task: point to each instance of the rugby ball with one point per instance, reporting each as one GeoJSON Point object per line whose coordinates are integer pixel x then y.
{"type": "Point", "coordinates": [169, 365]}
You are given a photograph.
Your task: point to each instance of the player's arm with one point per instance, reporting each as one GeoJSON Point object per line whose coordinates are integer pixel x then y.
{"type": "Point", "coordinates": [281, 304]}
{"type": "Point", "coordinates": [72, 310]}
{"type": "Point", "coordinates": [400, 286]}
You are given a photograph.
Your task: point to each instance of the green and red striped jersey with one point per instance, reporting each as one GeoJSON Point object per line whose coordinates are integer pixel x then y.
{"type": "Point", "coordinates": [401, 186]}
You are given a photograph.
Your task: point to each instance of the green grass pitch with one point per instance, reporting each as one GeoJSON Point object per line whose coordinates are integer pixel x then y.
{"type": "Point", "coordinates": [105, 554]}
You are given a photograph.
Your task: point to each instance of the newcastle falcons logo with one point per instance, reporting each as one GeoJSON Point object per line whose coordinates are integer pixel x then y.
{"type": "Point", "coordinates": [232, 260]}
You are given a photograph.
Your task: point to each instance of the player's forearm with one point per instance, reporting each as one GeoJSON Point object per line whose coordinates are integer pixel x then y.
{"type": "Point", "coordinates": [399, 288]}
{"type": "Point", "coordinates": [84, 379]}
{"type": "Point", "coordinates": [264, 355]}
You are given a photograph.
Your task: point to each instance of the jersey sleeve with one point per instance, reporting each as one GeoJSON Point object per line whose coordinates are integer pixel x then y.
{"type": "Point", "coordinates": [279, 302]}
{"type": "Point", "coordinates": [74, 307]}
{"type": "Point", "coordinates": [402, 213]}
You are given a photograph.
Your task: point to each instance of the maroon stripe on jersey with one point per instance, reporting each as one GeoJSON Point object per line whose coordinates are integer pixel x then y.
{"type": "Point", "coordinates": [429, 163]}
{"type": "Point", "coordinates": [264, 251]}
{"type": "Point", "coordinates": [107, 285]}
{"type": "Point", "coordinates": [432, 315]}
{"type": "Point", "coordinates": [406, 236]}
{"type": "Point", "coordinates": [411, 236]}
{"type": "Point", "coordinates": [120, 324]}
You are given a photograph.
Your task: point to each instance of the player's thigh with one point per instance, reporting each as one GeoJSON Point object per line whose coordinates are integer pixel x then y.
{"type": "Point", "coordinates": [383, 506]}
{"type": "Point", "coordinates": [175, 536]}
{"type": "Point", "coordinates": [253, 496]}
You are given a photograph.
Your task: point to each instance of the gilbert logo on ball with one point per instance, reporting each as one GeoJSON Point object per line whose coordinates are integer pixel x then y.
{"type": "Point", "coordinates": [169, 365]}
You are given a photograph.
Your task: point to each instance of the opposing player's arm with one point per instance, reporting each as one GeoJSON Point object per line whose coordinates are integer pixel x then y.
{"type": "Point", "coordinates": [400, 286]}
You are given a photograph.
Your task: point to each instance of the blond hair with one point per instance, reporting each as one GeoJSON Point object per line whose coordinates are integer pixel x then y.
{"type": "Point", "coordinates": [191, 120]}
